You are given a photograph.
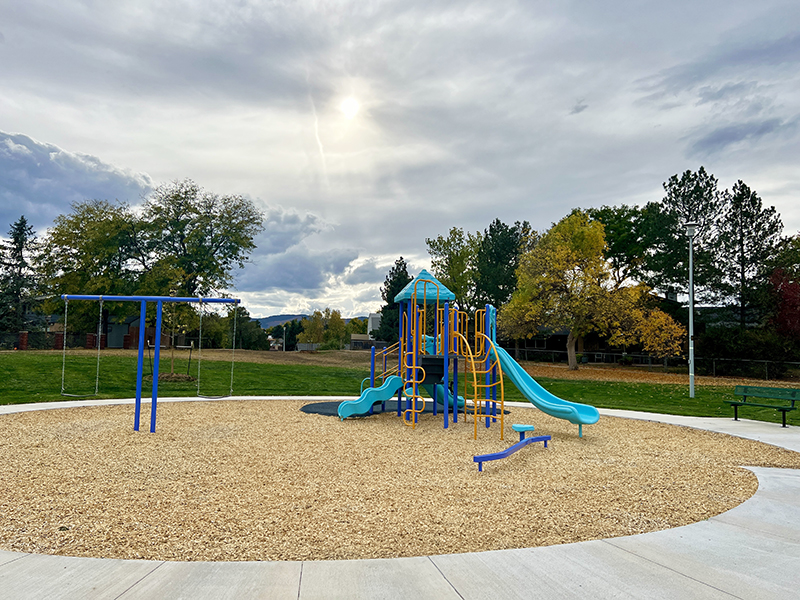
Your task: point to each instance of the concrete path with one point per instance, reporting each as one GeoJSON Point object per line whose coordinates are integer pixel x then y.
{"type": "Point", "coordinates": [752, 551]}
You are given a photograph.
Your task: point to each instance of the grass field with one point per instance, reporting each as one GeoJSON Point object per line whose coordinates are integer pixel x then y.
{"type": "Point", "coordinates": [36, 377]}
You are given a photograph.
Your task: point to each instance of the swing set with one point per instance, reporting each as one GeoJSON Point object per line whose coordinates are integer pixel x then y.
{"type": "Point", "coordinates": [143, 300]}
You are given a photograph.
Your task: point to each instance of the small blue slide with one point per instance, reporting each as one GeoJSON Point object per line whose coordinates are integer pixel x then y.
{"type": "Point", "coordinates": [439, 389]}
{"type": "Point", "coordinates": [579, 414]}
{"type": "Point", "coordinates": [369, 397]}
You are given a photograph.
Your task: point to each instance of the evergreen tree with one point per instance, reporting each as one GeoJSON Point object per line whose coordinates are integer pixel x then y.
{"type": "Point", "coordinates": [17, 276]}
{"type": "Point", "coordinates": [692, 197]}
{"type": "Point", "coordinates": [624, 240]}
{"type": "Point", "coordinates": [395, 281]}
{"type": "Point", "coordinates": [497, 260]}
{"type": "Point", "coordinates": [747, 238]}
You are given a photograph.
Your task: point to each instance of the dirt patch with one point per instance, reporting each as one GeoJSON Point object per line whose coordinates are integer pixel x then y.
{"type": "Point", "coordinates": [260, 480]}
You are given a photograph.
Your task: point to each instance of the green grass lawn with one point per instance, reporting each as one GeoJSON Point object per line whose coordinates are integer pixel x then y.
{"type": "Point", "coordinates": [36, 377]}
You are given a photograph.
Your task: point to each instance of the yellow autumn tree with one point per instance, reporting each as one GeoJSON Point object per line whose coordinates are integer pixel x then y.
{"type": "Point", "coordinates": [564, 282]}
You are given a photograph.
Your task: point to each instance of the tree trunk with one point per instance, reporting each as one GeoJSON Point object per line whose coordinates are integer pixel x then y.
{"type": "Point", "coordinates": [571, 358]}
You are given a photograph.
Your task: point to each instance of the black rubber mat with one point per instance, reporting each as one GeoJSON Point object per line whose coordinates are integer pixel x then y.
{"type": "Point", "coordinates": [329, 409]}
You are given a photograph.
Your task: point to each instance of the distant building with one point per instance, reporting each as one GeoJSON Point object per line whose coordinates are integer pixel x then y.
{"type": "Point", "coordinates": [373, 323]}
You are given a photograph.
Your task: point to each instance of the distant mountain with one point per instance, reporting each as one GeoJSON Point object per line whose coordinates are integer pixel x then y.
{"type": "Point", "coordinates": [351, 318]}
{"type": "Point", "coordinates": [269, 322]}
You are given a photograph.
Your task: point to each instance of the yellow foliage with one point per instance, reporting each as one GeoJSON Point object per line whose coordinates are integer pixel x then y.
{"type": "Point", "coordinates": [660, 334]}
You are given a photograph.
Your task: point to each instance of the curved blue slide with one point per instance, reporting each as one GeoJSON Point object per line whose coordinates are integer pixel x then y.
{"type": "Point", "coordinates": [579, 414]}
{"type": "Point", "coordinates": [370, 396]}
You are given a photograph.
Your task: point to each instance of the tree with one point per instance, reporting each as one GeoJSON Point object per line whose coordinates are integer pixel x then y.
{"type": "Point", "coordinates": [565, 282]}
{"type": "Point", "coordinates": [313, 329]}
{"type": "Point", "coordinates": [660, 335]}
{"type": "Point", "coordinates": [787, 293]}
{"type": "Point", "coordinates": [453, 263]}
{"type": "Point", "coordinates": [357, 326]}
{"type": "Point", "coordinates": [288, 332]}
{"type": "Point", "coordinates": [18, 278]}
{"type": "Point", "coordinates": [395, 281]}
{"type": "Point", "coordinates": [560, 283]}
{"type": "Point", "coordinates": [748, 237]}
{"type": "Point", "coordinates": [692, 197]}
{"type": "Point", "coordinates": [335, 330]}
{"type": "Point", "coordinates": [249, 334]}
{"type": "Point", "coordinates": [186, 242]}
{"type": "Point", "coordinates": [201, 234]}
{"type": "Point", "coordinates": [497, 260]}
{"type": "Point", "coordinates": [625, 249]}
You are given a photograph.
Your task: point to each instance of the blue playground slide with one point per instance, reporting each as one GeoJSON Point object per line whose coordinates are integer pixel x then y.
{"type": "Point", "coordinates": [440, 394]}
{"type": "Point", "coordinates": [370, 396]}
{"type": "Point", "coordinates": [578, 414]}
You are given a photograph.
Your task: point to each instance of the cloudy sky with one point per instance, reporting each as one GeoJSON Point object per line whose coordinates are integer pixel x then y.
{"type": "Point", "coordinates": [361, 128]}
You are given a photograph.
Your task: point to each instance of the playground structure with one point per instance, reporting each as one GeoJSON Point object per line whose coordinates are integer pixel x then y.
{"type": "Point", "coordinates": [433, 336]}
{"type": "Point", "coordinates": [143, 300]}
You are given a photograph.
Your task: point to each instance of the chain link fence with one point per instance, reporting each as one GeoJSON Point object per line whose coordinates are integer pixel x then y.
{"type": "Point", "coordinates": [712, 367]}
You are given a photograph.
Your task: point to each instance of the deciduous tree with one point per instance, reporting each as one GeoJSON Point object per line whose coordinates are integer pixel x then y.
{"type": "Point", "coordinates": [453, 262]}
{"type": "Point", "coordinates": [561, 283]}
{"type": "Point", "coordinates": [202, 234]}
{"type": "Point", "coordinates": [565, 283]}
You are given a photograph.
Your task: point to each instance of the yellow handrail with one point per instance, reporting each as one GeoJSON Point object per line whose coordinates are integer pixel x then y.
{"type": "Point", "coordinates": [480, 405]}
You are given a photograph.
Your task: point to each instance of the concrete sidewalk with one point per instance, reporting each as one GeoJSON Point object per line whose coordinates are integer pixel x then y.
{"type": "Point", "coordinates": [752, 551]}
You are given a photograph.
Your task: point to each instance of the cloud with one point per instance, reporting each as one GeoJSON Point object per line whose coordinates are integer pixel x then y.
{"type": "Point", "coordinates": [296, 270]}
{"type": "Point", "coordinates": [750, 56]}
{"type": "Point", "coordinates": [41, 180]}
{"type": "Point", "coordinates": [727, 91]}
{"type": "Point", "coordinates": [284, 228]}
{"type": "Point", "coordinates": [579, 107]}
{"type": "Point", "coordinates": [368, 272]}
{"type": "Point", "coordinates": [721, 138]}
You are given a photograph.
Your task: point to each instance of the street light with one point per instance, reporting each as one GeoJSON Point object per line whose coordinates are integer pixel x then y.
{"type": "Point", "coordinates": [691, 229]}
{"type": "Point", "coordinates": [284, 337]}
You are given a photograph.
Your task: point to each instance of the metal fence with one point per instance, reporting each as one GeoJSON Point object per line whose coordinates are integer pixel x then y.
{"type": "Point", "coordinates": [713, 367]}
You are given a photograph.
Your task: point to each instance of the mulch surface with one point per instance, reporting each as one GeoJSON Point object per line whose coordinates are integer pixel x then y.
{"type": "Point", "coordinates": [261, 480]}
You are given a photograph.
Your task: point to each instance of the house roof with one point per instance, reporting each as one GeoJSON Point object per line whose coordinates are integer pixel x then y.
{"type": "Point", "coordinates": [426, 291]}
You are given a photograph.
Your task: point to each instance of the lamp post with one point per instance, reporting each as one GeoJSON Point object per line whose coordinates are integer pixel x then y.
{"type": "Point", "coordinates": [691, 229]}
{"type": "Point", "coordinates": [284, 337]}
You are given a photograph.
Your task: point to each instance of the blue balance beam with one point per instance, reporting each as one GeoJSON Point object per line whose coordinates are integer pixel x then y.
{"type": "Point", "coordinates": [523, 441]}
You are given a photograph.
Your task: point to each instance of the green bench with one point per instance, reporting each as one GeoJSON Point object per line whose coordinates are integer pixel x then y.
{"type": "Point", "coordinates": [751, 391]}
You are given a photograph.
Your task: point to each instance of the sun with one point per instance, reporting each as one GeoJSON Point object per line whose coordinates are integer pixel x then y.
{"type": "Point", "coordinates": [349, 107]}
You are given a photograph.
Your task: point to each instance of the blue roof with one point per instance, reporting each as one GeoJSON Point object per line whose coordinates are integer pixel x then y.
{"type": "Point", "coordinates": [426, 292]}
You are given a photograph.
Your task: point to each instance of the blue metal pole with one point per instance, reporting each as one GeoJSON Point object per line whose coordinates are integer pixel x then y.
{"type": "Point", "coordinates": [140, 365]}
{"type": "Point", "coordinates": [372, 368]}
{"type": "Point", "coordinates": [446, 350]}
{"type": "Point", "coordinates": [150, 299]}
{"type": "Point", "coordinates": [372, 376]}
{"type": "Point", "coordinates": [156, 357]}
{"type": "Point", "coordinates": [401, 347]}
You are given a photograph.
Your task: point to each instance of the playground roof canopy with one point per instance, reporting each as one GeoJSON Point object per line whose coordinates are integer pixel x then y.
{"type": "Point", "coordinates": [426, 291]}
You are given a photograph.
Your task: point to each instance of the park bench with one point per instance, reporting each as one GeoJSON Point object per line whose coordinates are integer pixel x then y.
{"type": "Point", "coordinates": [750, 391]}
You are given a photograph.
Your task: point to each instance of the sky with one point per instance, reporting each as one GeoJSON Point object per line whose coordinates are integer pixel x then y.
{"type": "Point", "coordinates": [362, 128]}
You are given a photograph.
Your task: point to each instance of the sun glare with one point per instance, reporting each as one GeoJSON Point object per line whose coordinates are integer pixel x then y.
{"type": "Point", "coordinates": [349, 107]}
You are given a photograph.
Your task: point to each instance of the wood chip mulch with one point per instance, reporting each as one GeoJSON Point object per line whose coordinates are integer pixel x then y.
{"type": "Point", "coordinates": [261, 480]}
